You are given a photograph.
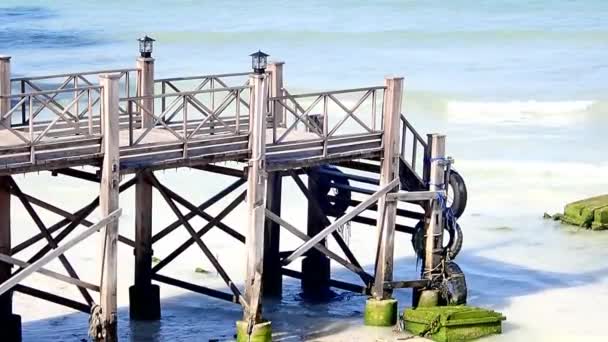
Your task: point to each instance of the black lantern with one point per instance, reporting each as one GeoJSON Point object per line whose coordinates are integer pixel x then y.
{"type": "Point", "coordinates": [145, 46]}
{"type": "Point", "coordinates": [259, 62]}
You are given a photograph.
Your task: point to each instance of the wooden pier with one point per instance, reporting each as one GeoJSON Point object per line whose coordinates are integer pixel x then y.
{"type": "Point", "coordinates": [117, 127]}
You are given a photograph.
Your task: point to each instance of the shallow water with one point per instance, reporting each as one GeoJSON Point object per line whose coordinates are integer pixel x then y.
{"type": "Point", "coordinates": [518, 86]}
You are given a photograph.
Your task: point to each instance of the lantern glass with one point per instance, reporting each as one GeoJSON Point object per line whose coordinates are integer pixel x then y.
{"type": "Point", "coordinates": [145, 46]}
{"type": "Point", "coordinates": [259, 61]}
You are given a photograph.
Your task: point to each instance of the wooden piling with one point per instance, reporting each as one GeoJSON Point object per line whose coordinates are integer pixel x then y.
{"type": "Point", "coordinates": [11, 323]}
{"type": "Point", "coordinates": [256, 187]}
{"type": "Point", "coordinates": [108, 203]}
{"type": "Point", "coordinates": [434, 229]}
{"type": "Point", "coordinates": [5, 90]}
{"type": "Point", "coordinates": [145, 67]}
{"type": "Point", "coordinates": [273, 277]}
{"type": "Point", "coordinates": [389, 170]}
{"type": "Point", "coordinates": [316, 271]}
{"type": "Point", "coordinates": [144, 297]}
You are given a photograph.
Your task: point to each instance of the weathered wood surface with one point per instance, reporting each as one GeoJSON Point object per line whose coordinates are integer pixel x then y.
{"type": "Point", "coordinates": [161, 149]}
{"type": "Point", "coordinates": [108, 203]}
{"type": "Point", "coordinates": [389, 172]}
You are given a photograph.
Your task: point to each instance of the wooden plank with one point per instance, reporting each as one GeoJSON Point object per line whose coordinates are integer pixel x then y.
{"type": "Point", "coordinates": [416, 195]}
{"type": "Point", "coordinates": [434, 228]}
{"type": "Point", "coordinates": [332, 282]}
{"type": "Point", "coordinates": [108, 203]}
{"type": "Point", "coordinates": [7, 259]}
{"type": "Point", "coordinates": [195, 288]}
{"type": "Point", "coordinates": [34, 267]}
{"type": "Point", "coordinates": [30, 291]}
{"type": "Point", "coordinates": [389, 172]}
{"type": "Point", "coordinates": [256, 206]}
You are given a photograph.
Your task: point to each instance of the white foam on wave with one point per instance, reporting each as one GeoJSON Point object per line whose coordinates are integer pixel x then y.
{"type": "Point", "coordinates": [545, 113]}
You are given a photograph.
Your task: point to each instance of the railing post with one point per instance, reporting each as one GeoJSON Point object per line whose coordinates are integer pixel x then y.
{"type": "Point", "coordinates": [5, 90]}
{"type": "Point", "coordinates": [144, 297]}
{"type": "Point", "coordinates": [145, 65]}
{"type": "Point", "coordinates": [276, 85]}
{"type": "Point", "coordinates": [381, 308]}
{"type": "Point", "coordinates": [11, 324]}
{"type": "Point", "coordinates": [252, 327]}
{"type": "Point", "coordinates": [434, 228]}
{"type": "Point", "coordinates": [108, 203]}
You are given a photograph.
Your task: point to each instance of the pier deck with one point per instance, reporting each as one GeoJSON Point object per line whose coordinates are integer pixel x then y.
{"type": "Point", "coordinates": [125, 121]}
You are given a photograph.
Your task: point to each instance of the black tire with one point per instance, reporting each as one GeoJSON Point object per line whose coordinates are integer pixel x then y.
{"type": "Point", "coordinates": [458, 193]}
{"type": "Point", "coordinates": [454, 244]}
{"type": "Point", "coordinates": [454, 285]}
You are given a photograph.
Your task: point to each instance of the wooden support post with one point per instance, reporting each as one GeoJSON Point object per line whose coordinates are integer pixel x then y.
{"type": "Point", "coordinates": [434, 227]}
{"type": "Point", "coordinates": [273, 278]}
{"type": "Point", "coordinates": [144, 297]}
{"type": "Point", "coordinates": [11, 324]}
{"type": "Point", "coordinates": [381, 309]}
{"type": "Point", "coordinates": [315, 265]}
{"type": "Point", "coordinates": [5, 90]}
{"type": "Point", "coordinates": [108, 202]}
{"type": "Point", "coordinates": [145, 66]}
{"type": "Point", "coordinates": [275, 69]}
{"type": "Point", "coordinates": [252, 328]}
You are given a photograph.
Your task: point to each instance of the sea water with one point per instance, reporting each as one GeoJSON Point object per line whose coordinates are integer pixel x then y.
{"type": "Point", "coordinates": [519, 87]}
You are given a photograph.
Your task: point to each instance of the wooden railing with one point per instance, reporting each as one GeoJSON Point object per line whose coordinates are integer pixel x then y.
{"type": "Point", "coordinates": [197, 83]}
{"type": "Point", "coordinates": [129, 86]}
{"type": "Point", "coordinates": [410, 147]}
{"type": "Point", "coordinates": [65, 118]}
{"type": "Point", "coordinates": [188, 115]}
{"type": "Point", "coordinates": [328, 122]}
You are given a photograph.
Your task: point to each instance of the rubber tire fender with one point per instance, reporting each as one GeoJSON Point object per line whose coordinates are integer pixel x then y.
{"type": "Point", "coordinates": [460, 193]}
{"type": "Point", "coordinates": [454, 285]}
{"type": "Point", "coordinates": [454, 244]}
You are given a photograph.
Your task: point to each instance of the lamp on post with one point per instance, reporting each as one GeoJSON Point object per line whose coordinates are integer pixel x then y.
{"type": "Point", "coordinates": [259, 60]}
{"type": "Point", "coordinates": [145, 46]}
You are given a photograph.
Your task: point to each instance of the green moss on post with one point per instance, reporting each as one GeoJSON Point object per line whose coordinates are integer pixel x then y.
{"type": "Point", "coordinates": [381, 313]}
{"type": "Point", "coordinates": [261, 332]}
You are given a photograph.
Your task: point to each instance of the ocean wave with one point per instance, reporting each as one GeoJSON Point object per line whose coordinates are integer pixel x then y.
{"type": "Point", "coordinates": [543, 113]}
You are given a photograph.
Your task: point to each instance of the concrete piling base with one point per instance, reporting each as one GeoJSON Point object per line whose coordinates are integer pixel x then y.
{"type": "Point", "coordinates": [428, 298]}
{"type": "Point", "coordinates": [381, 313]}
{"type": "Point", "coordinates": [144, 302]}
{"type": "Point", "coordinates": [261, 332]}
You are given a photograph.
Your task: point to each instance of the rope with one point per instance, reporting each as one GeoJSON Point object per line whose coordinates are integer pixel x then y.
{"type": "Point", "coordinates": [96, 323]}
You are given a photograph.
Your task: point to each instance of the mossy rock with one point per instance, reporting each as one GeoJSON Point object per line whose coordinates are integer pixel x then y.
{"type": "Point", "coordinates": [600, 221]}
{"type": "Point", "coordinates": [452, 323]}
{"type": "Point", "coordinates": [588, 213]}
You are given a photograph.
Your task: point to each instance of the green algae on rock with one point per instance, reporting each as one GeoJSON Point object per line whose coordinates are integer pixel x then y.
{"type": "Point", "coordinates": [589, 213]}
{"type": "Point", "coordinates": [452, 323]}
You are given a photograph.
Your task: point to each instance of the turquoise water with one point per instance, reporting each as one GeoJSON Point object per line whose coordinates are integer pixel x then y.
{"type": "Point", "coordinates": [519, 87]}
